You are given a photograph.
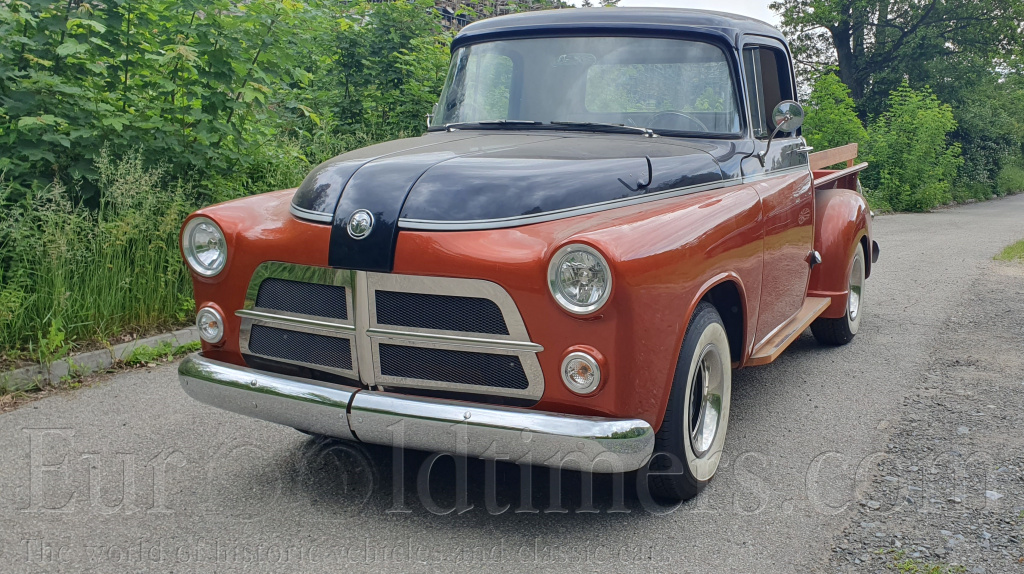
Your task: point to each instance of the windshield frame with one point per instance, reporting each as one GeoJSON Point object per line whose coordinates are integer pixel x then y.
{"type": "Point", "coordinates": [704, 35]}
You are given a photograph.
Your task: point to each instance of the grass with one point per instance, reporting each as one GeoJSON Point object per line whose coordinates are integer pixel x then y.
{"type": "Point", "coordinates": [1014, 252]}
{"type": "Point", "coordinates": [70, 273]}
{"type": "Point", "coordinates": [911, 566]}
{"type": "Point", "coordinates": [903, 565]}
{"type": "Point", "coordinates": [145, 355]}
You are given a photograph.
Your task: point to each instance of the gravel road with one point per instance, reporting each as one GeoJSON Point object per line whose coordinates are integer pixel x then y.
{"type": "Point", "coordinates": [904, 445]}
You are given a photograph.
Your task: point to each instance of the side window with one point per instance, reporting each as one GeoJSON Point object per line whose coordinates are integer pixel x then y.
{"type": "Point", "coordinates": [768, 83]}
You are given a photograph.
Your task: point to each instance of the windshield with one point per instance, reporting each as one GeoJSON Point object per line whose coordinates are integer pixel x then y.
{"type": "Point", "coordinates": [662, 84]}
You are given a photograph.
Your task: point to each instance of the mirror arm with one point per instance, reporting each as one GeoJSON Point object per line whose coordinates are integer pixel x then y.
{"type": "Point", "coordinates": [763, 155]}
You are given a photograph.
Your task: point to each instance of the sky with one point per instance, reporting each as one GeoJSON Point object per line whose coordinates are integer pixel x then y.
{"type": "Point", "coordinates": [753, 8]}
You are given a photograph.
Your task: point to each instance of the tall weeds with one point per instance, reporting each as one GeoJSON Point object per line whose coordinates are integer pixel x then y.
{"type": "Point", "coordinates": [70, 273]}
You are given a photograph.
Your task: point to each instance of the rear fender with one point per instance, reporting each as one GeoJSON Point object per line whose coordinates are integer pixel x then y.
{"type": "Point", "coordinates": [842, 220]}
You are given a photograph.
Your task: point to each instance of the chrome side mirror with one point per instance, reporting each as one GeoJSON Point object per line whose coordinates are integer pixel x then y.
{"type": "Point", "coordinates": [787, 116]}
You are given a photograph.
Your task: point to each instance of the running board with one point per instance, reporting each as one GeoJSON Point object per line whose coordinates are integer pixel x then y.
{"type": "Point", "coordinates": [771, 348]}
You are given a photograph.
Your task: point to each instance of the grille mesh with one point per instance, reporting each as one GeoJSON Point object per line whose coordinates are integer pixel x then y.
{"type": "Point", "coordinates": [301, 347]}
{"type": "Point", "coordinates": [440, 312]}
{"type": "Point", "coordinates": [304, 298]}
{"type": "Point", "coordinates": [460, 367]}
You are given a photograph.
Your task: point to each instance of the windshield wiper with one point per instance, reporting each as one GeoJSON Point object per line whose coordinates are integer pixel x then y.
{"type": "Point", "coordinates": [489, 123]}
{"type": "Point", "coordinates": [648, 132]}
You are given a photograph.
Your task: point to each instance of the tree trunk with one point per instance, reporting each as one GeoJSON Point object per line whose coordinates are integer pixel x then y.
{"type": "Point", "coordinates": [849, 69]}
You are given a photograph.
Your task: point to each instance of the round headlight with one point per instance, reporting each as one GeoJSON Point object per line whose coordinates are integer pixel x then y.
{"type": "Point", "coordinates": [579, 278]}
{"type": "Point", "coordinates": [204, 246]}
{"type": "Point", "coordinates": [581, 373]}
{"type": "Point", "coordinates": [210, 324]}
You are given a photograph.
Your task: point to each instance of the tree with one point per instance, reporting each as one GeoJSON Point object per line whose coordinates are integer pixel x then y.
{"type": "Point", "coordinates": [878, 43]}
{"type": "Point", "coordinates": [609, 3]}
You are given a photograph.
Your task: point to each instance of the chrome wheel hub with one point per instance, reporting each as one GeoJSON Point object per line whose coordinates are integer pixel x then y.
{"type": "Point", "coordinates": [856, 287]}
{"type": "Point", "coordinates": [706, 392]}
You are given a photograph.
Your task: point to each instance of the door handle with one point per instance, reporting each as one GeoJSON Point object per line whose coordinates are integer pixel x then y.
{"type": "Point", "coordinates": [804, 149]}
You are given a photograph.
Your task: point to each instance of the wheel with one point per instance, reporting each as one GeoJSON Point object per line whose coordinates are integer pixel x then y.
{"type": "Point", "coordinates": [693, 432]}
{"type": "Point", "coordinates": [841, 331]}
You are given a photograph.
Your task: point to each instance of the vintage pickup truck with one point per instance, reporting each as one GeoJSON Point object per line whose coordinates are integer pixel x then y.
{"type": "Point", "coordinates": [611, 210]}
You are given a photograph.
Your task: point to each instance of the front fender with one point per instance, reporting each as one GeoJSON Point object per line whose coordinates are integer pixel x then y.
{"type": "Point", "coordinates": [842, 220]}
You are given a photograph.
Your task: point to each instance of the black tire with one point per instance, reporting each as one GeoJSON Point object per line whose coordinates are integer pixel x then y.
{"type": "Point", "coordinates": [691, 462]}
{"type": "Point", "coordinates": [841, 331]}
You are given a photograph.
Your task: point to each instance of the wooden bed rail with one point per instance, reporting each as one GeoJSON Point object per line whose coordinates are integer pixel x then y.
{"type": "Point", "coordinates": [825, 158]}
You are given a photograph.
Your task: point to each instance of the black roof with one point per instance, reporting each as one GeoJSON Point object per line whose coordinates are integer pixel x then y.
{"type": "Point", "coordinates": [647, 20]}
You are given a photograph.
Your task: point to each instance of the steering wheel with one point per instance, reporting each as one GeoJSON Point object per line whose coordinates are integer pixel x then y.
{"type": "Point", "coordinates": [654, 120]}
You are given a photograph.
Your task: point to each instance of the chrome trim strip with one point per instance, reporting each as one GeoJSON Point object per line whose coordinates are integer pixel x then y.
{"type": "Point", "coordinates": [310, 215]}
{"type": "Point", "coordinates": [515, 221]}
{"type": "Point", "coordinates": [571, 442]}
{"type": "Point", "coordinates": [295, 320]}
{"type": "Point", "coordinates": [307, 405]}
{"type": "Point", "coordinates": [362, 298]}
{"type": "Point", "coordinates": [391, 334]}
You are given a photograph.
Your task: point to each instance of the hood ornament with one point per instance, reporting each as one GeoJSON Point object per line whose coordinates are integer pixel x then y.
{"type": "Point", "coordinates": [360, 224]}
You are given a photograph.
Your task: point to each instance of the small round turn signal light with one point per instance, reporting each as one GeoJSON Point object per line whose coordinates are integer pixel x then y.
{"type": "Point", "coordinates": [210, 324]}
{"type": "Point", "coordinates": [581, 373]}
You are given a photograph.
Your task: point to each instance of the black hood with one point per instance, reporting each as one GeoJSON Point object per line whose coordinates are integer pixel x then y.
{"type": "Point", "coordinates": [475, 179]}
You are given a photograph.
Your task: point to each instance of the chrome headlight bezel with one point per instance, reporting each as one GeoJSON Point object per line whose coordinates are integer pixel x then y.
{"type": "Point", "coordinates": [554, 279]}
{"type": "Point", "coordinates": [188, 247]}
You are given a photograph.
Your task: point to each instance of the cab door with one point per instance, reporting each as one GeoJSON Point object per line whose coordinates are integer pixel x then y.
{"type": "Point", "coordinates": [783, 183]}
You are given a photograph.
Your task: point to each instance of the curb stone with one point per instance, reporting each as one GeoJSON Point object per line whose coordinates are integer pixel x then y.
{"type": "Point", "coordinates": [91, 362]}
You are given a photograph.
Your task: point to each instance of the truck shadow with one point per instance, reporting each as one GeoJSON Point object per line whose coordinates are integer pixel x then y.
{"type": "Point", "coordinates": [333, 478]}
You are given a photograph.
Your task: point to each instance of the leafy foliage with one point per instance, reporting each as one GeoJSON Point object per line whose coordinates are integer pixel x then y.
{"type": "Point", "coordinates": [207, 89]}
{"type": "Point", "coordinates": [831, 115]}
{"type": "Point", "coordinates": [878, 43]}
{"type": "Point", "coordinates": [1010, 179]}
{"type": "Point", "coordinates": [117, 118]}
{"type": "Point", "coordinates": [968, 52]}
{"type": "Point", "coordinates": [914, 164]}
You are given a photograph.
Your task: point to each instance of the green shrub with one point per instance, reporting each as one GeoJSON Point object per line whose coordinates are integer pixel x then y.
{"type": "Point", "coordinates": [831, 115]}
{"type": "Point", "coordinates": [1011, 178]}
{"type": "Point", "coordinates": [70, 273]}
{"type": "Point", "coordinates": [964, 190]}
{"type": "Point", "coordinates": [913, 163]}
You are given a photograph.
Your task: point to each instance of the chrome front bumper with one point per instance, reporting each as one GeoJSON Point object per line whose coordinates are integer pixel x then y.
{"type": "Point", "coordinates": [572, 442]}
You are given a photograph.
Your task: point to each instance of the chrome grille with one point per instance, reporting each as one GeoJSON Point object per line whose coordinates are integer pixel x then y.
{"type": "Point", "coordinates": [458, 367]}
{"type": "Point", "coordinates": [303, 298]}
{"type": "Point", "coordinates": [394, 331]}
{"type": "Point", "coordinates": [301, 347]}
{"type": "Point", "coordinates": [440, 312]}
